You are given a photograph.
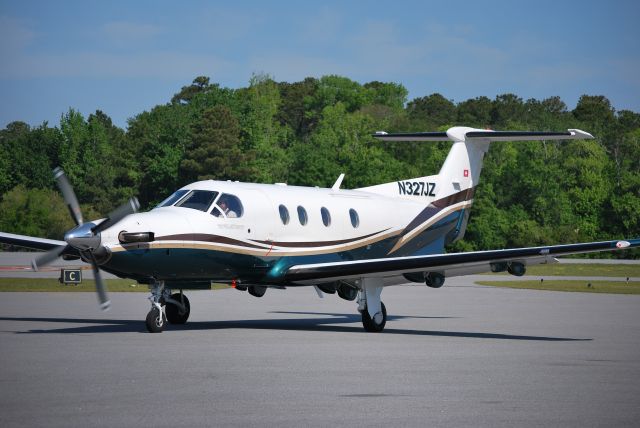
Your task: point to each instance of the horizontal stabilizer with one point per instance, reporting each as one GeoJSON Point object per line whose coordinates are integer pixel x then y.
{"type": "Point", "coordinates": [463, 133]}
{"type": "Point", "coordinates": [412, 136]}
{"type": "Point", "coordinates": [571, 134]}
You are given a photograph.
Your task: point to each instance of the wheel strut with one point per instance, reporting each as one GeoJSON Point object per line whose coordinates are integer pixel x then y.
{"type": "Point", "coordinates": [373, 311]}
{"type": "Point", "coordinates": [156, 317]}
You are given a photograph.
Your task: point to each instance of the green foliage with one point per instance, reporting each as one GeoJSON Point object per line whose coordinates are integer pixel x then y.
{"type": "Point", "coordinates": [187, 93]}
{"type": "Point", "coordinates": [308, 132]}
{"type": "Point", "coordinates": [215, 151]}
{"type": "Point", "coordinates": [262, 133]}
{"type": "Point", "coordinates": [391, 95]}
{"type": "Point", "coordinates": [28, 155]}
{"type": "Point", "coordinates": [432, 111]}
{"type": "Point", "coordinates": [342, 143]}
{"type": "Point", "coordinates": [157, 141]}
{"type": "Point", "coordinates": [292, 111]}
{"type": "Point", "coordinates": [34, 212]}
{"type": "Point", "coordinates": [475, 112]}
{"type": "Point", "coordinates": [596, 111]}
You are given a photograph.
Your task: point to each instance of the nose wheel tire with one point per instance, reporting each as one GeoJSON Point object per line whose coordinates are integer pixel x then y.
{"type": "Point", "coordinates": [155, 321]}
{"type": "Point", "coordinates": [174, 315]}
{"type": "Point", "coordinates": [377, 323]}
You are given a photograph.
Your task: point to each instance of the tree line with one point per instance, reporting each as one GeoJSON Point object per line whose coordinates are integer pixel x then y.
{"type": "Point", "coordinates": [308, 132]}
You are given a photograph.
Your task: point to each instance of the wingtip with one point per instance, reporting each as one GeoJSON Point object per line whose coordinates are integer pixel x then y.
{"type": "Point", "coordinates": [581, 134]}
{"type": "Point", "coordinates": [623, 244]}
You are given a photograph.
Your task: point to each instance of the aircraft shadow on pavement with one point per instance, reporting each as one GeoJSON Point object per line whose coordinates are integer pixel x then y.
{"type": "Point", "coordinates": [287, 324]}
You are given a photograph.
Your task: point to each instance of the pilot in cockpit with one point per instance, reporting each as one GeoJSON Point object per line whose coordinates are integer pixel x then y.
{"type": "Point", "coordinates": [223, 204]}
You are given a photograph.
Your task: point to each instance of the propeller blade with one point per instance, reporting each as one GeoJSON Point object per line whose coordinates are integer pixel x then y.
{"type": "Point", "coordinates": [68, 194]}
{"type": "Point", "coordinates": [46, 258]}
{"type": "Point", "coordinates": [101, 289]}
{"type": "Point", "coordinates": [130, 207]}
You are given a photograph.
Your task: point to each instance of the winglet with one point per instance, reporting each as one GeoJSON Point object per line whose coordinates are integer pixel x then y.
{"type": "Point", "coordinates": [581, 134]}
{"type": "Point", "coordinates": [623, 244]}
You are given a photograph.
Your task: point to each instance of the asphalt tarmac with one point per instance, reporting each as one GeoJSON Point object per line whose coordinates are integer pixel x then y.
{"type": "Point", "coordinates": [463, 355]}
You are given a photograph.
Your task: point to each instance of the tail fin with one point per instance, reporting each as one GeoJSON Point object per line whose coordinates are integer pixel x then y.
{"type": "Point", "coordinates": [461, 168]}
{"type": "Point", "coordinates": [460, 173]}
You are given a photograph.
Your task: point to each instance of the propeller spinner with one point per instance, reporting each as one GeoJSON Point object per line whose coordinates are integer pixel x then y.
{"type": "Point", "coordinates": [85, 237]}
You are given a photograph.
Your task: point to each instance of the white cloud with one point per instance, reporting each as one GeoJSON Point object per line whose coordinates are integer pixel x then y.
{"type": "Point", "coordinates": [220, 25]}
{"type": "Point", "coordinates": [291, 67]}
{"type": "Point", "coordinates": [102, 65]}
{"type": "Point", "coordinates": [14, 36]}
{"type": "Point", "coordinates": [123, 32]}
{"type": "Point", "coordinates": [627, 71]}
{"type": "Point", "coordinates": [325, 28]}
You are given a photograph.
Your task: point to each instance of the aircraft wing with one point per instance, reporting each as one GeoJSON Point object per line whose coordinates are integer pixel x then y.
{"type": "Point", "coordinates": [30, 241]}
{"type": "Point", "coordinates": [454, 264]}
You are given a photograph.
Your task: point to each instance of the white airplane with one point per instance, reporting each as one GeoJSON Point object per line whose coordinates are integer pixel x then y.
{"type": "Point", "coordinates": [260, 236]}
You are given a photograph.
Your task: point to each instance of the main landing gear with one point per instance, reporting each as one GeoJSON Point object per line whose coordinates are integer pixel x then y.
{"type": "Point", "coordinates": [174, 308]}
{"type": "Point", "coordinates": [373, 311]}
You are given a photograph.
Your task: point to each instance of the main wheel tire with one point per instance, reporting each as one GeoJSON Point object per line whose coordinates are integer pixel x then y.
{"type": "Point", "coordinates": [370, 325]}
{"type": "Point", "coordinates": [155, 321]}
{"type": "Point", "coordinates": [173, 312]}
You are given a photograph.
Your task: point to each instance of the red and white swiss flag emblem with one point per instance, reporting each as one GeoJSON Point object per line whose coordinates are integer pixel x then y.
{"type": "Point", "coordinates": [466, 173]}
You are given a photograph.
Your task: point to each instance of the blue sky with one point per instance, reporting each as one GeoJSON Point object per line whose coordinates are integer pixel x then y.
{"type": "Point", "coordinates": [124, 57]}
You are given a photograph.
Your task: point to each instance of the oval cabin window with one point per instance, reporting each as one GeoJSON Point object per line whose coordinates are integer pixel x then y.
{"type": "Point", "coordinates": [326, 216]}
{"type": "Point", "coordinates": [284, 214]}
{"type": "Point", "coordinates": [355, 219]}
{"type": "Point", "coordinates": [302, 215]}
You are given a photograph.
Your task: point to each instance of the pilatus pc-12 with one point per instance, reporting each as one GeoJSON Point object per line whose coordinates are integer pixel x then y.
{"type": "Point", "coordinates": [259, 236]}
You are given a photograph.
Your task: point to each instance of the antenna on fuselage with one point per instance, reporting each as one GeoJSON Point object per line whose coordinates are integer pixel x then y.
{"type": "Point", "coordinates": [336, 185]}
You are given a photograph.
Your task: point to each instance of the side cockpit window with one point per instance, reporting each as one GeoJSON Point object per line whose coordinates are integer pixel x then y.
{"type": "Point", "coordinates": [199, 200]}
{"type": "Point", "coordinates": [228, 206]}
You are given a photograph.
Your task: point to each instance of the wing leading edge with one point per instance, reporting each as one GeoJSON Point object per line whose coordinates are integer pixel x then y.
{"type": "Point", "coordinates": [445, 262]}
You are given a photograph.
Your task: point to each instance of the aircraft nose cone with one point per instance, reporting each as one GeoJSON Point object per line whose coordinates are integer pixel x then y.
{"type": "Point", "coordinates": [83, 238]}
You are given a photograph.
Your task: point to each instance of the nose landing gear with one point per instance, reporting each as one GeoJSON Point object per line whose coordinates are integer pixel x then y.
{"type": "Point", "coordinates": [174, 308]}
{"type": "Point", "coordinates": [155, 321]}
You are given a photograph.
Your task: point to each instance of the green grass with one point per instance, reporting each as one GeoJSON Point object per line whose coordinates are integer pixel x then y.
{"type": "Point", "coordinates": [595, 269]}
{"type": "Point", "coordinates": [610, 287]}
{"type": "Point", "coordinates": [39, 284]}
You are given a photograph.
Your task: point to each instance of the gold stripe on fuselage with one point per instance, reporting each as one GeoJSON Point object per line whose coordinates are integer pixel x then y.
{"type": "Point", "coordinates": [250, 248]}
{"type": "Point", "coordinates": [432, 220]}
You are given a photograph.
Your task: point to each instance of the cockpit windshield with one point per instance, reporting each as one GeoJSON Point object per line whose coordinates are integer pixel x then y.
{"type": "Point", "coordinates": [172, 199]}
{"type": "Point", "coordinates": [198, 200]}
{"type": "Point", "coordinates": [227, 205]}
